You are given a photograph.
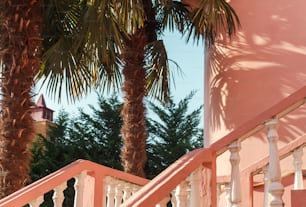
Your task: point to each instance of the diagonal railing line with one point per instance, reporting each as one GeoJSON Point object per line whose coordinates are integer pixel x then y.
{"type": "Point", "coordinates": [161, 186]}
{"type": "Point", "coordinates": [164, 183]}
{"type": "Point", "coordinates": [30, 192]}
{"type": "Point", "coordinates": [150, 194]}
{"type": "Point", "coordinates": [257, 166]}
{"type": "Point", "coordinates": [254, 125]}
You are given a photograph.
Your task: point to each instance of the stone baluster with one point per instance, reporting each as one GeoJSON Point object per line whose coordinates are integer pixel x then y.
{"type": "Point", "coordinates": [36, 203]}
{"type": "Point", "coordinates": [119, 193]}
{"type": "Point", "coordinates": [195, 188]}
{"type": "Point", "coordinates": [266, 181]}
{"type": "Point", "coordinates": [173, 198]}
{"type": "Point", "coordinates": [79, 188]}
{"type": "Point", "coordinates": [164, 202]}
{"type": "Point", "coordinates": [127, 191]}
{"type": "Point", "coordinates": [234, 149]}
{"type": "Point", "coordinates": [219, 186]}
{"type": "Point", "coordinates": [135, 188]}
{"type": "Point", "coordinates": [58, 195]}
{"type": "Point", "coordinates": [298, 175]}
{"type": "Point", "coordinates": [181, 194]}
{"type": "Point", "coordinates": [227, 190]}
{"type": "Point", "coordinates": [110, 191]}
{"type": "Point", "coordinates": [276, 188]}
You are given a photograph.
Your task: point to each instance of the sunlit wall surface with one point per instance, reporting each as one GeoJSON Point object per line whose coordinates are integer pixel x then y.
{"type": "Point", "coordinates": [249, 73]}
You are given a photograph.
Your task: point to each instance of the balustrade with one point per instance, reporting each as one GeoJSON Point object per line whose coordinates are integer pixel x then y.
{"type": "Point", "coordinates": [185, 182]}
{"type": "Point", "coordinates": [117, 191]}
{"type": "Point", "coordinates": [58, 195]}
{"type": "Point", "coordinates": [266, 181]}
{"type": "Point", "coordinates": [227, 189]}
{"type": "Point", "coordinates": [181, 194]}
{"type": "Point", "coordinates": [234, 149]}
{"type": "Point", "coordinates": [298, 175]}
{"type": "Point", "coordinates": [36, 203]}
{"type": "Point", "coordinates": [276, 188]}
{"type": "Point", "coordinates": [196, 194]}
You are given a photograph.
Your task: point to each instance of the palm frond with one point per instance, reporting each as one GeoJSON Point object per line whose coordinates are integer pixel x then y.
{"type": "Point", "coordinates": [85, 52]}
{"type": "Point", "coordinates": [211, 18]}
{"type": "Point", "coordinates": [158, 72]}
{"type": "Point", "coordinates": [109, 77]}
{"type": "Point", "coordinates": [171, 15]}
{"type": "Point", "coordinates": [63, 70]}
{"type": "Point", "coordinates": [62, 18]}
{"type": "Point", "coordinates": [130, 14]}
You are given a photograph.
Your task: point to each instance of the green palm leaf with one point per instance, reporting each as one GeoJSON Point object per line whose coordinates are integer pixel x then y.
{"type": "Point", "coordinates": [211, 18]}
{"type": "Point", "coordinates": [158, 72]}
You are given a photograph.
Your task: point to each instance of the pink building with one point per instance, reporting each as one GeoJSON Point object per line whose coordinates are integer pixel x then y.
{"type": "Point", "coordinates": [42, 115]}
{"type": "Point", "coordinates": [248, 74]}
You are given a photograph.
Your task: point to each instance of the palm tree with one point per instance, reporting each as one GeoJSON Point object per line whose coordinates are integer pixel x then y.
{"type": "Point", "coordinates": [20, 51]}
{"type": "Point", "coordinates": [122, 38]}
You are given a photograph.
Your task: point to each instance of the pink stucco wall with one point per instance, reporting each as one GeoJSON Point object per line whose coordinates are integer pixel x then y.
{"type": "Point", "coordinates": [264, 63]}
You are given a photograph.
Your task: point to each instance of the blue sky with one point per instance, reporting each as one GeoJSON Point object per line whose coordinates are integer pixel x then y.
{"type": "Point", "coordinates": [189, 57]}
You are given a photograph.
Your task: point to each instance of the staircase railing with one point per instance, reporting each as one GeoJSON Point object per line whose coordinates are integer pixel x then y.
{"type": "Point", "coordinates": [190, 181]}
{"type": "Point", "coordinates": [95, 185]}
{"type": "Point", "coordinates": [163, 185]}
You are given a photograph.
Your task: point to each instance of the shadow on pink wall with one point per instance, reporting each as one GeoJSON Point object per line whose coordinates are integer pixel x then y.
{"type": "Point", "coordinates": [264, 63]}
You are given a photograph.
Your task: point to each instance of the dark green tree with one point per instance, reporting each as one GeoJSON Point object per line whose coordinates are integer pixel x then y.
{"type": "Point", "coordinates": [174, 133]}
{"type": "Point", "coordinates": [93, 136]}
{"type": "Point", "coordinates": [51, 153]}
{"type": "Point", "coordinates": [96, 136]}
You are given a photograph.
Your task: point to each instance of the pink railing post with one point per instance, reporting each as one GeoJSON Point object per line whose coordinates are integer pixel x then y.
{"type": "Point", "coordinates": [181, 194]}
{"type": "Point", "coordinates": [196, 197]}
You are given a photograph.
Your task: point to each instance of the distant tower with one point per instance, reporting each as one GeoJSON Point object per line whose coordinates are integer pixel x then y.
{"type": "Point", "coordinates": [42, 115]}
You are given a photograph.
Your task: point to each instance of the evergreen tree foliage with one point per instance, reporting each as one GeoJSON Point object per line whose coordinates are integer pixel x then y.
{"type": "Point", "coordinates": [93, 136]}
{"type": "Point", "coordinates": [96, 136]}
{"type": "Point", "coordinates": [51, 153]}
{"type": "Point", "coordinates": [174, 133]}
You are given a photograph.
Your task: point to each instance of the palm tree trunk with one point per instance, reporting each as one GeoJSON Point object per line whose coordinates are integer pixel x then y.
{"type": "Point", "coordinates": [134, 133]}
{"type": "Point", "coordinates": [20, 50]}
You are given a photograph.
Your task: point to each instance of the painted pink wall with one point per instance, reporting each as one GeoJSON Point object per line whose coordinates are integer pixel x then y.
{"type": "Point", "coordinates": [288, 184]}
{"type": "Point", "coordinates": [298, 198]}
{"type": "Point", "coordinates": [264, 63]}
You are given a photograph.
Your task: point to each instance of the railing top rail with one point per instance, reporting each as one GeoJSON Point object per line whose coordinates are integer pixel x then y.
{"type": "Point", "coordinates": [173, 175]}
{"type": "Point", "coordinates": [283, 153]}
{"type": "Point", "coordinates": [252, 126]}
{"type": "Point", "coordinates": [164, 183]}
{"type": "Point", "coordinates": [30, 192]}
{"type": "Point", "coordinates": [257, 166]}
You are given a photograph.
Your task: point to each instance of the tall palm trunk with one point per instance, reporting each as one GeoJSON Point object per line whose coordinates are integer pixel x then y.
{"type": "Point", "coordinates": [20, 50]}
{"type": "Point", "coordinates": [134, 133]}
